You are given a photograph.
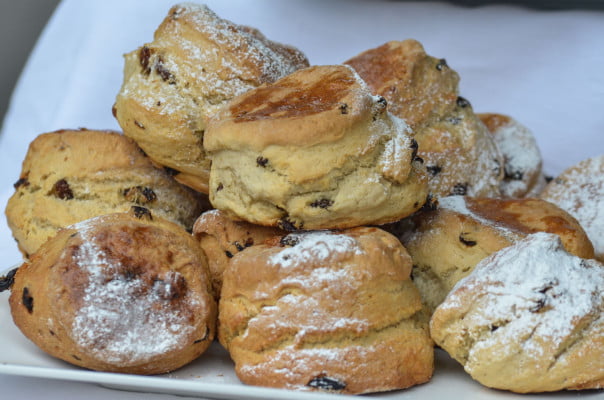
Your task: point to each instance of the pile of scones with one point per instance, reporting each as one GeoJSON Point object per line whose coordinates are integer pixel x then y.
{"type": "Point", "coordinates": [329, 225]}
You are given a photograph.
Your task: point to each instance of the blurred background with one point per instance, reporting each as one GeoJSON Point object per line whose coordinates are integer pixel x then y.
{"type": "Point", "coordinates": [21, 22]}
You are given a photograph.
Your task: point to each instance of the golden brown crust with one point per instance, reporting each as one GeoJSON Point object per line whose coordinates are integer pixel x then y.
{"type": "Point", "coordinates": [122, 292]}
{"type": "Point", "coordinates": [72, 175]}
{"type": "Point", "coordinates": [325, 310]}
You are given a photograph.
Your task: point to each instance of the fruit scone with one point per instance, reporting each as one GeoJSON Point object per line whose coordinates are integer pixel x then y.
{"type": "Point", "coordinates": [72, 175]}
{"type": "Point", "coordinates": [196, 62]}
{"type": "Point", "coordinates": [529, 318]}
{"type": "Point", "coordinates": [325, 311]}
{"type": "Point", "coordinates": [313, 150]}
{"type": "Point", "coordinates": [460, 154]}
{"type": "Point", "coordinates": [124, 292]}
{"type": "Point", "coordinates": [580, 191]}
{"type": "Point", "coordinates": [447, 243]}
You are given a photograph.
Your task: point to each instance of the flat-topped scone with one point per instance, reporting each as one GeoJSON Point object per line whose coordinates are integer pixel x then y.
{"type": "Point", "coordinates": [447, 243]}
{"type": "Point", "coordinates": [313, 150]}
{"type": "Point", "coordinates": [460, 154]}
{"type": "Point", "coordinates": [521, 155]}
{"type": "Point", "coordinates": [322, 310]}
{"type": "Point", "coordinates": [580, 191]}
{"type": "Point", "coordinates": [194, 65]}
{"type": "Point", "coordinates": [125, 292]}
{"type": "Point", "coordinates": [529, 318]}
{"type": "Point", "coordinates": [221, 238]}
{"type": "Point", "coordinates": [72, 175]}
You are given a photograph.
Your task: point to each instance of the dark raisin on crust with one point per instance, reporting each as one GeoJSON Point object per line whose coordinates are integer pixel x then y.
{"type": "Point", "coordinates": [326, 383]}
{"type": "Point", "coordinates": [27, 300]}
{"type": "Point", "coordinates": [238, 246]}
{"type": "Point", "coordinates": [21, 182]}
{"type": "Point", "coordinates": [62, 190]}
{"type": "Point", "coordinates": [261, 161]}
{"type": "Point", "coordinates": [143, 58]}
{"type": "Point", "coordinates": [249, 242]}
{"type": "Point", "coordinates": [163, 72]}
{"type": "Point", "coordinates": [219, 187]}
{"type": "Point", "coordinates": [434, 169]}
{"type": "Point", "coordinates": [228, 254]}
{"type": "Point", "coordinates": [462, 102]}
{"type": "Point", "coordinates": [6, 281]}
{"type": "Point", "coordinates": [441, 64]}
{"type": "Point", "coordinates": [287, 225]}
{"type": "Point", "coordinates": [548, 178]}
{"type": "Point", "coordinates": [469, 243]}
{"type": "Point", "coordinates": [139, 194]}
{"type": "Point", "coordinates": [460, 189]}
{"type": "Point", "coordinates": [141, 212]}
{"type": "Point", "coordinates": [538, 306]}
{"type": "Point", "coordinates": [343, 108]}
{"type": "Point", "coordinates": [322, 203]}
{"type": "Point", "coordinates": [414, 147]}
{"type": "Point", "coordinates": [289, 241]}
{"type": "Point", "coordinates": [431, 203]}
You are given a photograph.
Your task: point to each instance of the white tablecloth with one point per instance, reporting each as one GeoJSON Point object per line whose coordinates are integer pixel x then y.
{"type": "Point", "coordinates": [544, 68]}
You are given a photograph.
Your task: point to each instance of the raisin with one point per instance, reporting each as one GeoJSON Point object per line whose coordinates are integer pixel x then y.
{"type": "Point", "coordinates": [114, 111]}
{"type": "Point", "coordinates": [28, 300]}
{"type": "Point", "coordinates": [463, 103]}
{"type": "Point", "coordinates": [21, 182]}
{"type": "Point", "coordinates": [344, 108]}
{"type": "Point", "coordinates": [539, 304]}
{"type": "Point", "coordinates": [219, 187]}
{"type": "Point", "coordinates": [460, 189]}
{"type": "Point", "coordinates": [289, 241]}
{"type": "Point", "coordinates": [548, 178]}
{"type": "Point", "coordinates": [228, 254]}
{"type": "Point", "coordinates": [139, 194]}
{"type": "Point", "coordinates": [249, 242]}
{"type": "Point", "coordinates": [62, 190]}
{"type": "Point", "coordinates": [322, 203]}
{"type": "Point", "coordinates": [163, 72]}
{"type": "Point", "coordinates": [261, 161]}
{"type": "Point", "coordinates": [141, 212]}
{"type": "Point", "coordinates": [238, 246]}
{"type": "Point", "coordinates": [326, 383]}
{"type": "Point", "coordinates": [6, 282]}
{"type": "Point", "coordinates": [442, 64]}
{"type": "Point", "coordinates": [143, 58]}
{"type": "Point", "coordinates": [494, 328]}
{"type": "Point", "coordinates": [431, 203]}
{"type": "Point", "coordinates": [469, 243]}
{"type": "Point", "coordinates": [287, 225]}
{"type": "Point", "coordinates": [434, 169]}
{"type": "Point", "coordinates": [414, 147]}
{"type": "Point", "coordinates": [76, 357]}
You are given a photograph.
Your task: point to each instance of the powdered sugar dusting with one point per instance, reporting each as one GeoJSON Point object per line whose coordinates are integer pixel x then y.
{"type": "Point", "coordinates": [122, 319]}
{"type": "Point", "coordinates": [526, 292]}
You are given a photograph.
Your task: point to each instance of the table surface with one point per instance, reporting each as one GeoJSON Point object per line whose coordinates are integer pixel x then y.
{"type": "Point", "coordinates": [544, 68]}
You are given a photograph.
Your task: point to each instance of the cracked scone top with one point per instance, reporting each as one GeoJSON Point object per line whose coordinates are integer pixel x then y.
{"type": "Point", "coordinates": [325, 310]}
{"type": "Point", "coordinates": [313, 150]}
{"type": "Point", "coordinates": [460, 155]}
{"type": "Point", "coordinates": [196, 62]}
{"type": "Point", "coordinates": [530, 318]}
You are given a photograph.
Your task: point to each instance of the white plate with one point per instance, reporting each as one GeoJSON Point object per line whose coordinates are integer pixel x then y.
{"type": "Point", "coordinates": [212, 375]}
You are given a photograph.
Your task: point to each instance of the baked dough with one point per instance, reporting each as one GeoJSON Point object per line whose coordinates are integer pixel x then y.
{"type": "Point", "coordinates": [72, 175]}
{"type": "Point", "coordinates": [530, 318]}
{"type": "Point", "coordinates": [125, 292]}
{"type": "Point", "coordinates": [196, 63]}
{"type": "Point", "coordinates": [314, 150]}
{"type": "Point", "coordinates": [322, 310]}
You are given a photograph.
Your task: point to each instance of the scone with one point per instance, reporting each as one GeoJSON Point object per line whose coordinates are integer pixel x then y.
{"type": "Point", "coordinates": [194, 65]}
{"type": "Point", "coordinates": [580, 191]}
{"type": "Point", "coordinates": [221, 238]}
{"type": "Point", "coordinates": [72, 175]}
{"type": "Point", "coordinates": [460, 154]}
{"type": "Point", "coordinates": [125, 292]}
{"type": "Point", "coordinates": [530, 318]}
{"type": "Point", "coordinates": [447, 243]}
{"type": "Point", "coordinates": [314, 150]}
{"type": "Point", "coordinates": [322, 310]}
{"type": "Point", "coordinates": [521, 155]}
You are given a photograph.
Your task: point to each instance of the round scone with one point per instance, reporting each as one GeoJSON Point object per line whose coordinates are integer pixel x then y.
{"type": "Point", "coordinates": [314, 150]}
{"type": "Point", "coordinates": [322, 310]}
{"type": "Point", "coordinates": [530, 318]}
{"type": "Point", "coordinates": [580, 191]}
{"type": "Point", "coordinates": [221, 238]}
{"type": "Point", "coordinates": [124, 292]}
{"type": "Point", "coordinates": [460, 154]}
{"type": "Point", "coordinates": [194, 65]}
{"type": "Point", "coordinates": [447, 243]}
{"type": "Point", "coordinates": [72, 175]}
{"type": "Point", "coordinates": [521, 155]}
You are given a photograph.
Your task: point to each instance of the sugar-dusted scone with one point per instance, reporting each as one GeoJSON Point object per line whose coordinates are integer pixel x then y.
{"type": "Point", "coordinates": [196, 62]}
{"type": "Point", "coordinates": [530, 318]}
{"type": "Point", "coordinates": [72, 175]}
{"type": "Point", "coordinates": [521, 155]}
{"type": "Point", "coordinates": [322, 310]}
{"type": "Point", "coordinates": [580, 191]}
{"type": "Point", "coordinates": [221, 238]}
{"type": "Point", "coordinates": [125, 292]}
{"type": "Point", "coordinates": [460, 154]}
{"type": "Point", "coordinates": [313, 150]}
{"type": "Point", "coordinates": [447, 243]}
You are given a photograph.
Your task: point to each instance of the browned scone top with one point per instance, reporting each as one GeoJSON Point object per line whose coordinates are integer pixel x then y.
{"type": "Point", "coordinates": [313, 150]}
{"type": "Point", "coordinates": [221, 238]}
{"type": "Point", "coordinates": [447, 243]}
{"type": "Point", "coordinates": [460, 154]}
{"type": "Point", "coordinates": [322, 310]}
{"type": "Point", "coordinates": [72, 175]}
{"type": "Point", "coordinates": [196, 63]}
{"type": "Point", "coordinates": [125, 292]}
